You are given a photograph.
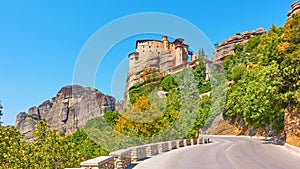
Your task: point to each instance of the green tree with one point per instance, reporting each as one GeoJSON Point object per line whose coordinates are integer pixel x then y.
{"type": "Point", "coordinates": [84, 146]}
{"type": "Point", "coordinates": [189, 98]}
{"type": "Point", "coordinates": [290, 66]}
{"type": "Point", "coordinates": [14, 150]}
{"type": "Point", "coordinates": [264, 101]}
{"type": "Point", "coordinates": [235, 100]}
{"type": "Point", "coordinates": [229, 62]}
{"type": "Point", "coordinates": [257, 98]}
{"type": "Point", "coordinates": [268, 47]}
{"type": "Point", "coordinates": [168, 84]}
{"type": "Point", "coordinates": [204, 109]}
{"type": "Point", "coordinates": [237, 72]}
{"type": "Point", "coordinates": [292, 30]}
{"type": "Point", "coordinates": [151, 78]}
{"type": "Point", "coordinates": [1, 114]}
{"type": "Point", "coordinates": [52, 149]}
{"type": "Point", "coordinates": [200, 71]}
{"type": "Point", "coordinates": [262, 78]}
{"type": "Point", "coordinates": [111, 117]}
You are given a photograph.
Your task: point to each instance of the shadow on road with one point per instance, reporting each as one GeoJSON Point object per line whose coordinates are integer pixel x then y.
{"type": "Point", "coordinates": [132, 166]}
{"type": "Point", "coordinates": [274, 141]}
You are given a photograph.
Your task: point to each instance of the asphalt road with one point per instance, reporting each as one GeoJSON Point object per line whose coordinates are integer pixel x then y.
{"type": "Point", "coordinates": [225, 153]}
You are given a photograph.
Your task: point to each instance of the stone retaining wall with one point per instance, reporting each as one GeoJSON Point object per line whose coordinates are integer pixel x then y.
{"type": "Point", "coordinates": [122, 159]}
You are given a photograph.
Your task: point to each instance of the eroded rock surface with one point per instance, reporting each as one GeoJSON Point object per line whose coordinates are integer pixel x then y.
{"type": "Point", "coordinates": [292, 121]}
{"type": "Point", "coordinates": [227, 47]}
{"type": "Point", "coordinates": [67, 112]}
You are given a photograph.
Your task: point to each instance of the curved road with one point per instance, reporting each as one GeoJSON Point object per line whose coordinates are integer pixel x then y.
{"type": "Point", "coordinates": [225, 153]}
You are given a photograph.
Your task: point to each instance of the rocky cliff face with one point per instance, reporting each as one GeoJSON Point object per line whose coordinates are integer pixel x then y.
{"type": "Point", "coordinates": [161, 57]}
{"type": "Point", "coordinates": [67, 112]}
{"type": "Point", "coordinates": [226, 47]}
{"type": "Point", "coordinates": [161, 60]}
{"type": "Point", "coordinates": [292, 121]}
{"type": "Point", "coordinates": [119, 106]}
{"type": "Point", "coordinates": [295, 9]}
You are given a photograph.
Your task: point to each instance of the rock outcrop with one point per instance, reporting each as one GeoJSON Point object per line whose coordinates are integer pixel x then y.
{"type": "Point", "coordinates": [162, 57]}
{"type": "Point", "coordinates": [67, 112]}
{"type": "Point", "coordinates": [227, 46]}
{"type": "Point", "coordinates": [295, 9]}
{"type": "Point", "coordinates": [119, 106]}
{"type": "Point", "coordinates": [292, 121]}
{"type": "Point", "coordinates": [162, 62]}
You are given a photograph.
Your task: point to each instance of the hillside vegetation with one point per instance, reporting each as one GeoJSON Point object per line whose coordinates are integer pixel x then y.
{"type": "Point", "coordinates": [263, 78]}
{"type": "Point", "coordinates": [259, 84]}
{"type": "Point", "coordinates": [50, 149]}
{"type": "Point", "coordinates": [150, 118]}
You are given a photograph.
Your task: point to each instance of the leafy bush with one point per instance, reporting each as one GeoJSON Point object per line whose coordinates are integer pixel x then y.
{"type": "Point", "coordinates": [50, 149]}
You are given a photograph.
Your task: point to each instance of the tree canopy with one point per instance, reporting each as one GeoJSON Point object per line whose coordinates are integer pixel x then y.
{"type": "Point", "coordinates": [267, 81]}
{"type": "Point", "coordinates": [50, 149]}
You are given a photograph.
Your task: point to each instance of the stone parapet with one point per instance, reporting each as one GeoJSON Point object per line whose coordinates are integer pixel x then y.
{"type": "Point", "coordinates": [123, 159]}
{"type": "Point", "coordinates": [103, 162]}
{"type": "Point", "coordinates": [187, 142]}
{"type": "Point", "coordinates": [194, 142]}
{"type": "Point", "coordinates": [179, 143]}
{"type": "Point", "coordinates": [162, 147]}
{"type": "Point", "coordinates": [138, 153]}
{"type": "Point", "coordinates": [171, 145]}
{"type": "Point", "coordinates": [151, 149]}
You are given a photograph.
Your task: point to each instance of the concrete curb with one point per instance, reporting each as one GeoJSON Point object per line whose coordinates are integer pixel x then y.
{"type": "Point", "coordinates": [292, 148]}
{"type": "Point", "coordinates": [274, 141]}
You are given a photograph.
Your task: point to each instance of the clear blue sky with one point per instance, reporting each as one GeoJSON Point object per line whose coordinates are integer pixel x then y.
{"type": "Point", "coordinates": [41, 40]}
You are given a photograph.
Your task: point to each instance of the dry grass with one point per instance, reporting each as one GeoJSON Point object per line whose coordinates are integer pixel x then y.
{"type": "Point", "coordinates": [293, 140]}
{"type": "Point", "coordinates": [225, 128]}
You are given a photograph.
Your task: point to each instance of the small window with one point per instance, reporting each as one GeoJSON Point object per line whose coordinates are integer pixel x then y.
{"type": "Point", "coordinates": [149, 46]}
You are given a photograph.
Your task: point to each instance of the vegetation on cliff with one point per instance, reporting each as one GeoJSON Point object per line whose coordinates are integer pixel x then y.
{"type": "Point", "coordinates": [148, 115]}
{"type": "Point", "coordinates": [177, 113]}
{"type": "Point", "coordinates": [264, 77]}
